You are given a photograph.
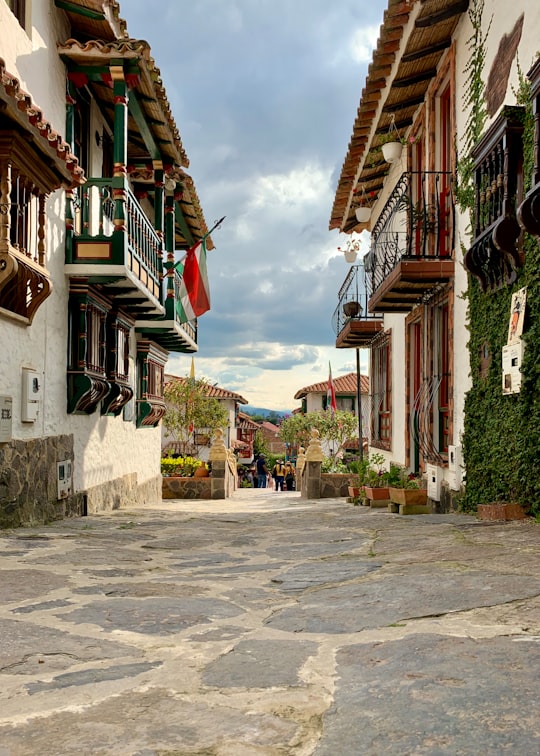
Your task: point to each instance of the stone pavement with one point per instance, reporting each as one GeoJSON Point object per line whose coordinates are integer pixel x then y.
{"type": "Point", "coordinates": [268, 624]}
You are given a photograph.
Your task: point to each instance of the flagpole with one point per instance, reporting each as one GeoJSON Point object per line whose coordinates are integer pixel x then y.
{"type": "Point", "coordinates": [217, 224]}
{"type": "Point", "coordinates": [359, 407]}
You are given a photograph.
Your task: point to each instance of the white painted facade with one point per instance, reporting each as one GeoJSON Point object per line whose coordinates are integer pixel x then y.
{"type": "Point", "coordinates": [499, 19]}
{"type": "Point", "coordinates": [106, 448]}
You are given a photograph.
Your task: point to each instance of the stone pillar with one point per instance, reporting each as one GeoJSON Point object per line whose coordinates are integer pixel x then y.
{"type": "Point", "coordinates": [219, 458]}
{"type": "Point", "coordinates": [311, 482]}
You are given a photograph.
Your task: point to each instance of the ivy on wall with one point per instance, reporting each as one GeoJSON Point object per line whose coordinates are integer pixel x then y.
{"type": "Point", "coordinates": [501, 440]}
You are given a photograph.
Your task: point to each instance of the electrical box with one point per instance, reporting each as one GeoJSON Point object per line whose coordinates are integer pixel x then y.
{"type": "Point", "coordinates": [455, 469]}
{"type": "Point", "coordinates": [512, 357]}
{"type": "Point", "coordinates": [64, 479]}
{"type": "Point", "coordinates": [6, 419]}
{"type": "Point", "coordinates": [434, 478]}
{"type": "Point", "coordinates": [31, 395]}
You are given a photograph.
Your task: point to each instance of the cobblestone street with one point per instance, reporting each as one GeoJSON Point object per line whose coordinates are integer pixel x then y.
{"type": "Point", "coordinates": [268, 624]}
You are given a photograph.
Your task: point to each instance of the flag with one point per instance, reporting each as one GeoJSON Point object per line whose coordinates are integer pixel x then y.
{"type": "Point", "coordinates": [194, 291]}
{"type": "Point", "coordinates": [330, 393]}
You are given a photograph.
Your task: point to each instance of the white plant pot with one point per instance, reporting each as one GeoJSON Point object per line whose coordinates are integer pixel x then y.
{"type": "Point", "coordinates": [392, 151]}
{"type": "Point", "coordinates": [350, 255]}
{"type": "Point", "coordinates": [363, 214]}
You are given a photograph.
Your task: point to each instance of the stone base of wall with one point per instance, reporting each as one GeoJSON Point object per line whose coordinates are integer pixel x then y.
{"type": "Point", "coordinates": [449, 502]}
{"type": "Point", "coordinates": [186, 488]}
{"type": "Point", "coordinates": [123, 492]}
{"type": "Point", "coordinates": [28, 482]}
{"type": "Point", "coordinates": [334, 485]}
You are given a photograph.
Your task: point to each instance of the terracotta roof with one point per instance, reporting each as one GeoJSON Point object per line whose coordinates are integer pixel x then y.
{"type": "Point", "coordinates": [96, 19]}
{"type": "Point", "coordinates": [345, 384]}
{"type": "Point", "coordinates": [27, 115]}
{"type": "Point", "coordinates": [245, 422]}
{"type": "Point", "coordinates": [384, 98]}
{"type": "Point", "coordinates": [213, 391]}
{"type": "Point", "coordinates": [269, 426]}
{"type": "Point", "coordinates": [147, 84]}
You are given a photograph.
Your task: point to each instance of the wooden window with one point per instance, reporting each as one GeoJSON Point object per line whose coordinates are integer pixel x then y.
{"type": "Point", "coordinates": [381, 398]}
{"type": "Point", "coordinates": [18, 8]}
{"type": "Point", "coordinates": [441, 372]}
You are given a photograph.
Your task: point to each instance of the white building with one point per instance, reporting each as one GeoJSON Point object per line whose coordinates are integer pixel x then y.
{"type": "Point", "coordinates": [99, 210]}
{"type": "Point", "coordinates": [444, 263]}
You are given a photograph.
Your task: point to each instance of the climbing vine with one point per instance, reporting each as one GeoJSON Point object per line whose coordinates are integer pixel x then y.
{"type": "Point", "coordinates": [501, 439]}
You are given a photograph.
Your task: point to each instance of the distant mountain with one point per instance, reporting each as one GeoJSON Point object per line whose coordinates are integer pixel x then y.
{"type": "Point", "coordinates": [263, 412]}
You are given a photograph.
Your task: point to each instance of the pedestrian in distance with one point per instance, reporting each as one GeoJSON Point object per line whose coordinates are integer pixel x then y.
{"type": "Point", "coordinates": [262, 472]}
{"type": "Point", "coordinates": [289, 476]}
{"type": "Point", "coordinates": [278, 473]}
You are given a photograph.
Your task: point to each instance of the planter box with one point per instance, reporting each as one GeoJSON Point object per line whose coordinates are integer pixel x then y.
{"type": "Point", "coordinates": [501, 511]}
{"type": "Point", "coordinates": [376, 494]}
{"type": "Point", "coordinates": [408, 495]}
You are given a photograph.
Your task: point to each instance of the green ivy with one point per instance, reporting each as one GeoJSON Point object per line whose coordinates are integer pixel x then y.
{"type": "Point", "coordinates": [501, 439]}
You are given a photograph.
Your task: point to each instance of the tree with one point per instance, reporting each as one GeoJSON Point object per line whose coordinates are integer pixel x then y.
{"type": "Point", "coordinates": [335, 427]}
{"type": "Point", "coordinates": [296, 430]}
{"type": "Point", "coordinates": [338, 427]}
{"type": "Point", "coordinates": [191, 413]}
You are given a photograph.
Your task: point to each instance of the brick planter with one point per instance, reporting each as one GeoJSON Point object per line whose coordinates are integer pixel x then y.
{"type": "Point", "coordinates": [501, 511]}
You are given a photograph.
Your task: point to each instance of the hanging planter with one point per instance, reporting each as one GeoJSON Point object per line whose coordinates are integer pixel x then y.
{"type": "Point", "coordinates": [363, 214]}
{"type": "Point", "coordinates": [391, 143]}
{"type": "Point", "coordinates": [352, 309]}
{"type": "Point", "coordinates": [392, 151]}
{"type": "Point", "coordinates": [351, 250]}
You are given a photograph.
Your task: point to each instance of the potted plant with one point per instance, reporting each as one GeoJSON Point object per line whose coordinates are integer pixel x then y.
{"type": "Point", "coordinates": [357, 480]}
{"type": "Point", "coordinates": [405, 487]}
{"type": "Point", "coordinates": [376, 487]}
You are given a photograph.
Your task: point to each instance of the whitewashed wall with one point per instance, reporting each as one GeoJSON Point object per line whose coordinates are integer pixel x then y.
{"type": "Point", "coordinates": [106, 448]}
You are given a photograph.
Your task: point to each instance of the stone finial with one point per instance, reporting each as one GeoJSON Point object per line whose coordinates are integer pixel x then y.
{"type": "Point", "coordinates": [218, 450]}
{"type": "Point", "coordinates": [314, 451]}
{"type": "Point", "coordinates": [300, 459]}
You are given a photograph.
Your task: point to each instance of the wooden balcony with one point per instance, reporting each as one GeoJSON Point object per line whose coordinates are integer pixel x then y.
{"type": "Point", "coordinates": [169, 331]}
{"type": "Point", "coordinates": [412, 243]}
{"type": "Point", "coordinates": [528, 213]}
{"type": "Point", "coordinates": [115, 246]}
{"type": "Point", "coordinates": [354, 327]}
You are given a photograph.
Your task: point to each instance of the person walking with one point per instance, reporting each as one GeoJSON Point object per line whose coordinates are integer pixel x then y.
{"type": "Point", "coordinates": [289, 476]}
{"type": "Point", "coordinates": [262, 472]}
{"type": "Point", "coordinates": [278, 473]}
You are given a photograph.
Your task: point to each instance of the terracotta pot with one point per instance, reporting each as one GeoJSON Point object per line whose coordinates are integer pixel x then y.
{"type": "Point", "coordinates": [408, 495]}
{"type": "Point", "coordinates": [201, 472]}
{"type": "Point", "coordinates": [351, 309]}
{"type": "Point", "coordinates": [354, 492]}
{"type": "Point", "coordinates": [376, 494]}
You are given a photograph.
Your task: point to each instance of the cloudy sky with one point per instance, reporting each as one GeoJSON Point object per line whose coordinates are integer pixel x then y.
{"type": "Point", "coordinates": [264, 93]}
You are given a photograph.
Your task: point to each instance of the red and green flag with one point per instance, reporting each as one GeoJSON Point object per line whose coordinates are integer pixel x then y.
{"type": "Point", "coordinates": [194, 297]}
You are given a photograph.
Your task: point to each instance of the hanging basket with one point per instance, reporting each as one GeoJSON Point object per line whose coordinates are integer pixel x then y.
{"type": "Point", "coordinates": [362, 214]}
{"type": "Point", "coordinates": [392, 151]}
{"type": "Point", "coordinates": [352, 309]}
{"type": "Point", "coordinates": [350, 255]}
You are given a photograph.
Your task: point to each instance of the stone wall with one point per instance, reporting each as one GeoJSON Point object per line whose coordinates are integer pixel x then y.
{"type": "Point", "coordinates": [28, 482]}
{"type": "Point", "coordinates": [186, 488]}
{"type": "Point", "coordinates": [123, 492]}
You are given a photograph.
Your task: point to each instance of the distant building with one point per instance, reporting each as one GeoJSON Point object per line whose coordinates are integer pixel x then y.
{"type": "Point", "coordinates": [201, 443]}
{"type": "Point", "coordinates": [246, 428]}
{"type": "Point", "coordinates": [270, 433]}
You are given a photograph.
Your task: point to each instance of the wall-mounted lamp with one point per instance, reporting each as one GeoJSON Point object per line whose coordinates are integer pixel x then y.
{"type": "Point", "coordinates": [170, 183]}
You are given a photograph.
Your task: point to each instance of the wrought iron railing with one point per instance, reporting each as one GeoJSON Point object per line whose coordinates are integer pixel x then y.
{"type": "Point", "coordinates": [352, 300]}
{"type": "Point", "coordinates": [417, 222]}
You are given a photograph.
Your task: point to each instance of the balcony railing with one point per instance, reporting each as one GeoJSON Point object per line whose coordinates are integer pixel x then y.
{"type": "Point", "coordinates": [417, 224]}
{"type": "Point", "coordinates": [498, 159]}
{"type": "Point", "coordinates": [135, 245]}
{"type": "Point", "coordinates": [353, 325]}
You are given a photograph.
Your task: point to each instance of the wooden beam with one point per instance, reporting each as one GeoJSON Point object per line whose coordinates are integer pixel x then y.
{"type": "Point", "coordinates": [410, 81]}
{"type": "Point", "coordinates": [71, 7]}
{"type": "Point", "coordinates": [415, 55]}
{"type": "Point", "coordinates": [435, 18]}
{"type": "Point", "coordinates": [410, 103]}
